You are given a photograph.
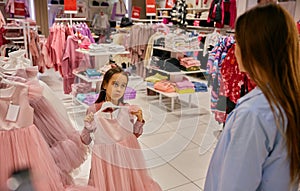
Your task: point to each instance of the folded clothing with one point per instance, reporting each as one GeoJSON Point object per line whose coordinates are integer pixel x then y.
{"type": "Point", "coordinates": [130, 93]}
{"type": "Point", "coordinates": [200, 86]}
{"type": "Point", "coordinates": [81, 88]}
{"type": "Point", "coordinates": [88, 98]}
{"type": "Point", "coordinates": [92, 72]}
{"type": "Point", "coordinates": [156, 78]}
{"type": "Point", "coordinates": [85, 45]}
{"type": "Point", "coordinates": [164, 86]}
{"type": "Point", "coordinates": [184, 85]}
{"type": "Point", "coordinates": [185, 91]}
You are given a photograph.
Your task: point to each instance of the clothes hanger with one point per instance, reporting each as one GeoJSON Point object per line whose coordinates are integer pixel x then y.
{"type": "Point", "coordinates": [108, 104]}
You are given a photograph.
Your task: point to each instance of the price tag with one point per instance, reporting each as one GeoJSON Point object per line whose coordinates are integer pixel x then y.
{"type": "Point", "coordinates": [12, 113]}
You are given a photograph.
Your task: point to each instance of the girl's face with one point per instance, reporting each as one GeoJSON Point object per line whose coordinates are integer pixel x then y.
{"type": "Point", "coordinates": [237, 52]}
{"type": "Point", "coordinates": [115, 88]}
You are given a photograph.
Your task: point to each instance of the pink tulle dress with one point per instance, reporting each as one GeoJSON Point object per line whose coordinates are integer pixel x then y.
{"type": "Point", "coordinates": [22, 145]}
{"type": "Point", "coordinates": [117, 159]}
{"type": "Point", "coordinates": [64, 141]}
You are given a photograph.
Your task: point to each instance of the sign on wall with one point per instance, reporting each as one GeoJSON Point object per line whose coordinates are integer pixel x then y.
{"type": "Point", "coordinates": [70, 6]}
{"type": "Point", "coordinates": [136, 12]}
{"type": "Point", "coordinates": [150, 8]}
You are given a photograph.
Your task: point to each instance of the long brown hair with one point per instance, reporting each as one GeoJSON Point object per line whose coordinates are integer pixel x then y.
{"type": "Point", "coordinates": [268, 40]}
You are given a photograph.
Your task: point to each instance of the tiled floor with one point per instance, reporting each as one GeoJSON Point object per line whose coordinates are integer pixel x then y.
{"type": "Point", "coordinates": [177, 145]}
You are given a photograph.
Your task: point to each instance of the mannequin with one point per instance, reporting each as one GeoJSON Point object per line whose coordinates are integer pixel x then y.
{"type": "Point", "coordinates": [119, 10]}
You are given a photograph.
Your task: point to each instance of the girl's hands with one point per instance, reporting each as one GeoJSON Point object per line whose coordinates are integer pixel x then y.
{"type": "Point", "coordinates": [89, 122]}
{"type": "Point", "coordinates": [136, 111]}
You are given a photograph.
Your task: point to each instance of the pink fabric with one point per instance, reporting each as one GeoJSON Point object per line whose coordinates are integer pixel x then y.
{"type": "Point", "coordinates": [72, 60]}
{"type": "Point", "coordinates": [164, 86]}
{"type": "Point", "coordinates": [24, 145]}
{"type": "Point", "coordinates": [117, 160]}
{"type": "Point", "coordinates": [63, 140]}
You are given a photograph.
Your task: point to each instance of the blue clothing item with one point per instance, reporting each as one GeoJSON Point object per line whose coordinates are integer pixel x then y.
{"type": "Point", "coordinates": [251, 154]}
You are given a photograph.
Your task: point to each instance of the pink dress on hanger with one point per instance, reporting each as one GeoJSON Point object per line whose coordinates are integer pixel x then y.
{"type": "Point", "coordinates": [22, 145]}
{"type": "Point", "coordinates": [117, 160]}
{"type": "Point", "coordinates": [63, 140]}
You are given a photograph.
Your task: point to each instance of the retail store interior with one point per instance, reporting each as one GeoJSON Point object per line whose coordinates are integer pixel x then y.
{"type": "Point", "coordinates": [178, 57]}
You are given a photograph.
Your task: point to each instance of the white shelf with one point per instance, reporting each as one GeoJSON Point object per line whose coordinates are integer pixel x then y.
{"type": "Point", "coordinates": [85, 78]}
{"type": "Point", "coordinates": [199, 27]}
{"type": "Point", "coordinates": [100, 53]}
{"type": "Point", "coordinates": [70, 19]}
{"type": "Point", "coordinates": [84, 104]}
{"type": "Point", "coordinates": [176, 50]}
{"type": "Point", "coordinates": [13, 27]}
{"type": "Point", "coordinates": [20, 27]}
{"type": "Point", "coordinates": [14, 38]}
{"type": "Point", "coordinates": [18, 42]}
{"type": "Point", "coordinates": [177, 73]}
{"type": "Point", "coordinates": [147, 20]}
{"type": "Point", "coordinates": [163, 9]}
{"type": "Point", "coordinates": [197, 9]}
{"type": "Point", "coordinates": [168, 17]}
{"type": "Point", "coordinates": [195, 19]}
{"type": "Point", "coordinates": [173, 96]}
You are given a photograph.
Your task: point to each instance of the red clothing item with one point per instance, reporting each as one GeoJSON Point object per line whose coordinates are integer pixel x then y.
{"type": "Point", "coordinates": [233, 78]}
{"type": "Point", "coordinates": [72, 60]}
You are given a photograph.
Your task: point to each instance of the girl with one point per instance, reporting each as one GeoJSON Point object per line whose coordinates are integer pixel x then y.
{"type": "Point", "coordinates": [117, 161]}
{"type": "Point", "coordinates": [259, 148]}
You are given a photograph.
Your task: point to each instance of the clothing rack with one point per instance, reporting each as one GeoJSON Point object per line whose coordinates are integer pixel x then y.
{"type": "Point", "coordinates": [21, 40]}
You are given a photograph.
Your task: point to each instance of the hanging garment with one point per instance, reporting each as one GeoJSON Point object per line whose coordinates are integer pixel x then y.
{"type": "Point", "coordinates": [24, 145]}
{"type": "Point", "coordinates": [117, 159]}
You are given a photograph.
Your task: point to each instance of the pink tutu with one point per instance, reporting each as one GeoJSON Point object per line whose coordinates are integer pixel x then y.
{"type": "Point", "coordinates": [105, 175]}
{"type": "Point", "coordinates": [117, 160]}
{"type": "Point", "coordinates": [64, 141]}
{"type": "Point", "coordinates": [26, 148]}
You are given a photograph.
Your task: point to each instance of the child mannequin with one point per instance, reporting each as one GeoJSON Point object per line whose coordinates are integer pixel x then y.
{"type": "Point", "coordinates": [117, 161]}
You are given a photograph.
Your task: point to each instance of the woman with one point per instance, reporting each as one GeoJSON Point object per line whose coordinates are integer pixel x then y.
{"type": "Point", "coordinates": [260, 146]}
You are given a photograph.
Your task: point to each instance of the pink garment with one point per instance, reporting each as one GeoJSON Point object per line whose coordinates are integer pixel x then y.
{"type": "Point", "coordinates": [22, 144]}
{"type": "Point", "coordinates": [64, 141]}
{"type": "Point", "coordinates": [117, 160]}
{"type": "Point", "coordinates": [164, 86]}
{"type": "Point", "coordinates": [72, 60]}
{"type": "Point", "coordinates": [233, 13]}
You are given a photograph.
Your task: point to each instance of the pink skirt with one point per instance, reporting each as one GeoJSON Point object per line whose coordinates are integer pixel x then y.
{"type": "Point", "coordinates": [111, 171]}
{"type": "Point", "coordinates": [64, 141]}
{"type": "Point", "coordinates": [26, 148]}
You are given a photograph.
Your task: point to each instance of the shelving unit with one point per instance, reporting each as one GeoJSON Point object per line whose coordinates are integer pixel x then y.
{"type": "Point", "coordinates": [91, 53]}
{"type": "Point", "coordinates": [174, 77]}
{"type": "Point", "coordinates": [87, 79]}
{"type": "Point", "coordinates": [25, 27]}
{"type": "Point", "coordinates": [177, 50]}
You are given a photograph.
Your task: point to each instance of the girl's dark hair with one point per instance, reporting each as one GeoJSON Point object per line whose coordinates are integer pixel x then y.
{"type": "Point", "coordinates": [268, 40]}
{"type": "Point", "coordinates": [106, 78]}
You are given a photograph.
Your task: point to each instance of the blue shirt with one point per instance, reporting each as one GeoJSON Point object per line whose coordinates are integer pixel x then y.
{"type": "Point", "coordinates": [251, 154]}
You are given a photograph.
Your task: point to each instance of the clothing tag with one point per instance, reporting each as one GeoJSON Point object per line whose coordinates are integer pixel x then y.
{"type": "Point", "coordinates": [12, 113]}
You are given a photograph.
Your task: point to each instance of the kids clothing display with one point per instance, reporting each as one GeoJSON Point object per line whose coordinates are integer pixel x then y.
{"type": "Point", "coordinates": [117, 159]}
{"type": "Point", "coordinates": [23, 146]}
